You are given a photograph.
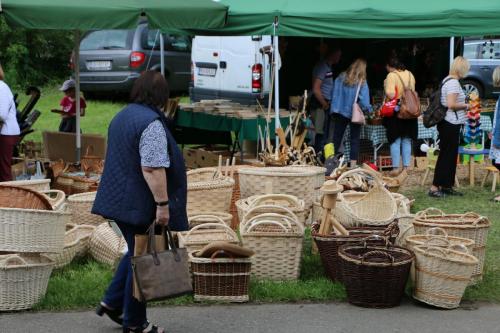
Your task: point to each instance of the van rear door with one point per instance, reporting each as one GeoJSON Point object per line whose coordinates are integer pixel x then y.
{"type": "Point", "coordinates": [205, 57]}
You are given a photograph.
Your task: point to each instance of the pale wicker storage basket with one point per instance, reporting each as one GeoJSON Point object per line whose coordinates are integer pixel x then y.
{"type": "Point", "coordinates": [320, 176]}
{"type": "Point", "coordinates": [438, 237]}
{"type": "Point", "coordinates": [468, 225]}
{"type": "Point", "coordinates": [39, 185]}
{"type": "Point", "coordinates": [106, 246]}
{"type": "Point", "coordinates": [209, 217]}
{"type": "Point", "coordinates": [295, 205]}
{"type": "Point", "coordinates": [299, 182]}
{"type": "Point", "coordinates": [208, 191]}
{"type": "Point", "coordinates": [204, 234]}
{"type": "Point", "coordinates": [23, 280]}
{"type": "Point", "coordinates": [277, 241]}
{"type": "Point", "coordinates": [80, 207]}
{"type": "Point", "coordinates": [84, 233]}
{"type": "Point", "coordinates": [442, 275]}
{"type": "Point", "coordinates": [34, 231]}
{"type": "Point", "coordinates": [69, 251]}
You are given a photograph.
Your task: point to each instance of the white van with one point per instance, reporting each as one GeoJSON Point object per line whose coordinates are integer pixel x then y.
{"type": "Point", "coordinates": [233, 68]}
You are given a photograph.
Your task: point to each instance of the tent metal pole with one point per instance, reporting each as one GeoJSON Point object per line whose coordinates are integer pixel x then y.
{"type": "Point", "coordinates": [77, 95]}
{"type": "Point", "coordinates": [276, 81]}
{"type": "Point", "coordinates": [162, 55]}
{"type": "Point", "coordinates": [452, 50]}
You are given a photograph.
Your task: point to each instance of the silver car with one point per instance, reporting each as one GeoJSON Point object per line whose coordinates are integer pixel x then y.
{"type": "Point", "coordinates": [484, 56]}
{"type": "Point", "coordinates": [111, 60]}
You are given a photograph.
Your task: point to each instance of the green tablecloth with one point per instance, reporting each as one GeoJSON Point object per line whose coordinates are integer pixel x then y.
{"type": "Point", "coordinates": [247, 129]}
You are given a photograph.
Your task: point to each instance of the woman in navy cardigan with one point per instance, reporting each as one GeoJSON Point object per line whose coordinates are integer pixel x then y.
{"type": "Point", "coordinates": [495, 137]}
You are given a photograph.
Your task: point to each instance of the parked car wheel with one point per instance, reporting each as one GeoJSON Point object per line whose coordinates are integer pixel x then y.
{"type": "Point", "coordinates": [471, 86]}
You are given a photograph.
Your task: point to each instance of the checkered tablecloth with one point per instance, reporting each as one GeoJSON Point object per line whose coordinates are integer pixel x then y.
{"type": "Point", "coordinates": [376, 133]}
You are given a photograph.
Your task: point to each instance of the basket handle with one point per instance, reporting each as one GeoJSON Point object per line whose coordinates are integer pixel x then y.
{"type": "Point", "coordinates": [459, 248]}
{"type": "Point", "coordinates": [478, 218]}
{"type": "Point", "coordinates": [392, 229]}
{"type": "Point", "coordinates": [377, 253]}
{"type": "Point", "coordinates": [439, 250]}
{"type": "Point", "coordinates": [276, 208]}
{"type": "Point", "coordinates": [217, 219]}
{"type": "Point", "coordinates": [437, 241]}
{"type": "Point", "coordinates": [253, 225]}
{"type": "Point", "coordinates": [256, 219]}
{"type": "Point", "coordinates": [13, 260]}
{"type": "Point", "coordinates": [89, 151]}
{"type": "Point", "coordinates": [360, 170]}
{"type": "Point", "coordinates": [58, 200]}
{"type": "Point", "coordinates": [375, 237]}
{"type": "Point", "coordinates": [213, 226]}
{"type": "Point", "coordinates": [430, 210]}
{"type": "Point", "coordinates": [291, 199]}
{"type": "Point", "coordinates": [437, 231]}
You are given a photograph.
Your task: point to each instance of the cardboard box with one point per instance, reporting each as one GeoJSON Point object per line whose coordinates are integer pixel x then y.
{"type": "Point", "coordinates": [189, 155]}
{"type": "Point", "coordinates": [60, 145]}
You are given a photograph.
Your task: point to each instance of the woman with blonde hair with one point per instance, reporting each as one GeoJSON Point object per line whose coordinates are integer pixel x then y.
{"type": "Point", "coordinates": [9, 129]}
{"type": "Point", "coordinates": [452, 97]}
{"type": "Point", "coordinates": [350, 87]}
{"type": "Point", "coordinates": [495, 135]}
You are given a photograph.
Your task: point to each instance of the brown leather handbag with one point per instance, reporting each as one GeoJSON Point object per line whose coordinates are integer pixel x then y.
{"type": "Point", "coordinates": [161, 275]}
{"type": "Point", "coordinates": [410, 103]}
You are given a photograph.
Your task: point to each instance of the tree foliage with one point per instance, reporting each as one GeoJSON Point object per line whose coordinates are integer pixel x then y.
{"type": "Point", "coordinates": [34, 57]}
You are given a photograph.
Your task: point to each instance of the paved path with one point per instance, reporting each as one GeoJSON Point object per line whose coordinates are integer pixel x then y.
{"type": "Point", "coordinates": [284, 318]}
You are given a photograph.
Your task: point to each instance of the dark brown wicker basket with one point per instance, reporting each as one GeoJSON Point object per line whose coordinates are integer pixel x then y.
{"type": "Point", "coordinates": [328, 246]}
{"type": "Point", "coordinates": [375, 276]}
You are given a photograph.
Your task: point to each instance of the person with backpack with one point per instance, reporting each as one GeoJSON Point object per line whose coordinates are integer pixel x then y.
{"type": "Point", "coordinates": [9, 129]}
{"type": "Point", "coordinates": [401, 126]}
{"type": "Point", "coordinates": [454, 100]}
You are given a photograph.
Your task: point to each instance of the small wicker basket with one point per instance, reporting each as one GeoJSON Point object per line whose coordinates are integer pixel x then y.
{"type": "Point", "coordinates": [208, 191]}
{"type": "Point", "coordinates": [204, 234]}
{"type": "Point", "coordinates": [80, 207]}
{"type": "Point", "coordinates": [106, 246]}
{"type": "Point", "coordinates": [23, 280]}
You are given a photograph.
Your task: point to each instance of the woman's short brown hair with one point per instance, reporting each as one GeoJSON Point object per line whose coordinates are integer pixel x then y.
{"type": "Point", "coordinates": [151, 88]}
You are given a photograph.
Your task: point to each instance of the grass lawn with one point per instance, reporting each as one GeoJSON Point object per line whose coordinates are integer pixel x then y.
{"type": "Point", "coordinates": [82, 284]}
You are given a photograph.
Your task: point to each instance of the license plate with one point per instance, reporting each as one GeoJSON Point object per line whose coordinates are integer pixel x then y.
{"type": "Point", "coordinates": [207, 71]}
{"type": "Point", "coordinates": [99, 65]}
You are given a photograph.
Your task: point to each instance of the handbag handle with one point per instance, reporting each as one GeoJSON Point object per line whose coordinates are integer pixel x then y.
{"type": "Point", "coordinates": [152, 243]}
{"type": "Point", "coordinates": [357, 93]}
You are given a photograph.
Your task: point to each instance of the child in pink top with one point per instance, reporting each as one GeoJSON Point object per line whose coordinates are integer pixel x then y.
{"type": "Point", "coordinates": [68, 104]}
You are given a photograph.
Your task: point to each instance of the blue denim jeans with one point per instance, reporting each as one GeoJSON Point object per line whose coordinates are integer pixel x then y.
{"type": "Point", "coordinates": [119, 293]}
{"type": "Point", "coordinates": [401, 147]}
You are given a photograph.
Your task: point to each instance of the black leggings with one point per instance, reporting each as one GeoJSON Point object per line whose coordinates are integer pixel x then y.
{"type": "Point", "coordinates": [340, 124]}
{"type": "Point", "coordinates": [446, 165]}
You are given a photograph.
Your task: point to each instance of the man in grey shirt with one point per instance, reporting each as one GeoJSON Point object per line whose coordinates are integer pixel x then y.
{"type": "Point", "coordinates": [322, 93]}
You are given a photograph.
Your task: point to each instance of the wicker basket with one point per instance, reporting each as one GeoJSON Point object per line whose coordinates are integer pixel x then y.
{"type": "Point", "coordinates": [84, 233]}
{"type": "Point", "coordinates": [64, 184]}
{"type": "Point", "coordinates": [80, 206]}
{"type": "Point", "coordinates": [210, 217]}
{"type": "Point", "coordinates": [277, 241]}
{"type": "Point", "coordinates": [30, 230]}
{"type": "Point", "coordinates": [106, 246]}
{"type": "Point", "coordinates": [35, 185]}
{"type": "Point", "coordinates": [221, 279]}
{"type": "Point", "coordinates": [299, 182]}
{"type": "Point", "coordinates": [438, 237]}
{"type": "Point", "coordinates": [442, 275]}
{"type": "Point", "coordinates": [204, 234]}
{"type": "Point", "coordinates": [69, 251]}
{"type": "Point", "coordinates": [320, 176]}
{"type": "Point", "coordinates": [56, 198]}
{"type": "Point", "coordinates": [19, 197]}
{"type": "Point", "coordinates": [375, 276]}
{"type": "Point", "coordinates": [468, 225]}
{"type": "Point", "coordinates": [23, 280]}
{"type": "Point", "coordinates": [208, 192]}
{"type": "Point", "coordinates": [405, 224]}
{"type": "Point", "coordinates": [291, 202]}
{"type": "Point", "coordinates": [328, 245]}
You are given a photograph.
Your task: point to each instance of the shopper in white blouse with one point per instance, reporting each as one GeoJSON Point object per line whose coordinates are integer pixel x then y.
{"type": "Point", "coordinates": [453, 97]}
{"type": "Point", "coordinates": [9, 129]}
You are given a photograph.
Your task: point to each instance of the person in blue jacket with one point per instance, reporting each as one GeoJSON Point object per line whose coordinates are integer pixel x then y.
{"type": "Point", "coordinates": [495, 135]}
{"type": "Point", "coordinates": [144, 182]}
{"type": "Point", "coordinates": [347, 85]}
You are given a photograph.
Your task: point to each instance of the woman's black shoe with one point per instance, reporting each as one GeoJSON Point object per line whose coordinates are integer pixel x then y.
{"type": "Point", "coordinates": [146, 328]}
{"type": "Point", "coordinates": [450, 191]}
{"type": "Point", "coordinates": [114, 315]}
{"type": "Point", "coordinates": [436, 194]}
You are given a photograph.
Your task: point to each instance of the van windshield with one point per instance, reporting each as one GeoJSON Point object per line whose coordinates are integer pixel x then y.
{"type": "Point", "coordinates": [107, 40]}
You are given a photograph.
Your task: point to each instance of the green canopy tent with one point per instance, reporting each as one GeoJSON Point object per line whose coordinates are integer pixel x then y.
{"type": "Point", "coordinates": [110, 14]}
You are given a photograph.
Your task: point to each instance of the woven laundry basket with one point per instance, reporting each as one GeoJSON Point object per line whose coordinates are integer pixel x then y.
{"type": "Point", "coordinates": [209, 217]}
{"type": "Point", "coordinates": [34, 231]}
{"type": "Point", "coordinates": [84, 233]}
{"type": "Point", "coordinates": [438, 237]}
{"type": "Point", "coordinates": [35, 185]}
{"type": "Point", "coordinates": [208, 191]}
{"type": "Point", "coordinates": [68, 253]}
{"type": "Point", "coordinates": [221, 279]}
{"type": "Point", "coordinates": [299, 182]}
{"type": "Point", "coordinates": [468, 225]}
{"type": "Point", "coordinates": [277, 241]}
{"type": "Point", "coordinates": [23, 280]}
{"type": "Point", "coordinates": [106, 246]}
{"type": "Point", "coordinates": [320, 176]}
{"type": "Point", "coordinates": [80, 207]}
{"type": "Point", "coordinates": [204, 234]}
{"type": "Point", "coordinates": [291, 202]}
{"type": "Point", "coordinates": [442, 275]}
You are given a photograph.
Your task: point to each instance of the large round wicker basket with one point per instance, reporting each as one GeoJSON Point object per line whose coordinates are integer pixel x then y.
{"type": "Point", "coordinates": [320, 176]}
{"type": "Point", "coordinates": [208, 191]}
{"type": "Point", "coordinates": [23, 280]}
{"type": "Point", "coordinates": [80, 207]}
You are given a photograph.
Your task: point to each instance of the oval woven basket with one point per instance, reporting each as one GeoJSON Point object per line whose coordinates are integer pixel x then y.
{"type": "Point", "coordinates": [442, 275]}
{"type": "Point", "coordinates": [204, 234]}
{"type": "Point", "coordinates": [438, 237]}
{"type": "Point", "coordinates": [30, 230]}
{"type": "Point", "coordinates": [23, 280]}
{"type": "Point", "coordinates": [468, 225]}
{"type": "Point", "coordinates": [24, 198]}
{"type": "Point", "coordinates": [35, 185]}
{"type": "Point", "coordinates": [291, 202]}
{"type": "Point", "coordinates": [106, 246]}
{"type": "Point", "coordinates": [80, 207]}
{"type": "Point", "coordinates": [208, 191]}
{"type": "Point", "coordinates": [69, 251]}
{"type": "Point", "coordinates": [209, 217]}
{"type": "Point", "coordinates": [299, 182]}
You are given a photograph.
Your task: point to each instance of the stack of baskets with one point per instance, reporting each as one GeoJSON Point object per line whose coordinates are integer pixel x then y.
{"type": "Point", "coordinates": [25, 235]}
{"type": "Point", "coordinates": [277, 241]}
{"type": "Point", "coordinates": [267, 201]}
{"type": "Point", "coordinates": [208, 191]}
{"type": "Point", "coordinates": [203, 234]}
